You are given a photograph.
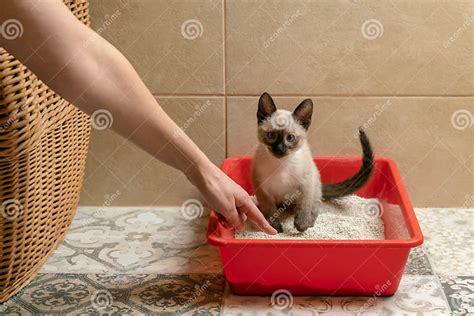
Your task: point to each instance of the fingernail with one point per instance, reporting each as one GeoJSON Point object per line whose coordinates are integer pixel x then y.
{"type": "Point", "coordinates": [273, 230]}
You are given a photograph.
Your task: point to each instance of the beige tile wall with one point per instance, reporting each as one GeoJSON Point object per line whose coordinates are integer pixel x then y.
{"type": "Point", "coordinates": [404, 69]}
{"type": "Point", "coordinates": [119, 173]}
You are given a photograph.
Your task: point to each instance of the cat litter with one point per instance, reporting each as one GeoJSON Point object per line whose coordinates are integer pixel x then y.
{"type": "Point", "coordinates": [347, 218]}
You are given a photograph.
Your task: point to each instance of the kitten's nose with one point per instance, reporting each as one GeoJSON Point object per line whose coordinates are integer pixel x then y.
{"type": "Point", "coordinates": [279, 149]}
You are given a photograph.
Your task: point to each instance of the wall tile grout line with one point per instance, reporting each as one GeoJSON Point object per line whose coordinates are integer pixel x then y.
{"type": "Point", "coordinates": [224, 38]}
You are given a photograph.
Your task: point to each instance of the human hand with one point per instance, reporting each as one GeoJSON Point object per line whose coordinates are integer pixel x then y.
{"type": "Point", "coordinates": [228, 199]}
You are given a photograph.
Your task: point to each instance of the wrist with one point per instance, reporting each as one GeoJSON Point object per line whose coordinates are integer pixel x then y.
{"type": "Point", "coordinates": [199, 171]}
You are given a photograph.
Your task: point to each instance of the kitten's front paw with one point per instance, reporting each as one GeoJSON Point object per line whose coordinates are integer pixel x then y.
{"type": "Point", "coordinates": [303, 222]}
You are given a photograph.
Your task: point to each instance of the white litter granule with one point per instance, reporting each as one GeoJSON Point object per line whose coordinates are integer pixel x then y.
{"type": "Point", "coordinates": [349, 218]}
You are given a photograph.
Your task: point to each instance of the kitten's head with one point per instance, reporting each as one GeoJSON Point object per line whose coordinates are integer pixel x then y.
{"type": "Point", "coordinates": [282, 131]}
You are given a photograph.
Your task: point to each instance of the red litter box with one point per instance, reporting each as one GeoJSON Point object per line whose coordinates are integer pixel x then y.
{"type": "Point", "coordinates": [323, 267]}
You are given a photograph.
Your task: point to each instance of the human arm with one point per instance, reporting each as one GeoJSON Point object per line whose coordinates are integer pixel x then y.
{"type": "Point", "coordinates": [92, 74]}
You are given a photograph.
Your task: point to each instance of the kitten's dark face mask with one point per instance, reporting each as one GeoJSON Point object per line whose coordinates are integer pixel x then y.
{"type": "Point", "coordinates": [282, 135]}
{"type": "Point", "coordinates": [280, 142]}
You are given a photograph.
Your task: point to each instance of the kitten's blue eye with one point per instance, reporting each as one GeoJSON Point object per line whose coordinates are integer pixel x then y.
{"type": "Point", "coordinates": [290, 138]}
{"type": "Point", "coordinates": [271, 135]}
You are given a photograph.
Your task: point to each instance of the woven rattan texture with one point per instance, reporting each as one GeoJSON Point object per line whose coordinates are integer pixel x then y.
{"type": "Point", "coordinates": [43, 148]}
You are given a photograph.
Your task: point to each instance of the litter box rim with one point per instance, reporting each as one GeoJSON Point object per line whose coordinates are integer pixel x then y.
{"type": "Point", "coordinates": [220, 236]}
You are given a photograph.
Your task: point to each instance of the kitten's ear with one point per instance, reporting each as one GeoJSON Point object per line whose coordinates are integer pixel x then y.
{"type": "Point", "coordinates": [266, 107]}
{"type": "Point", "coordinates": [303, 113]}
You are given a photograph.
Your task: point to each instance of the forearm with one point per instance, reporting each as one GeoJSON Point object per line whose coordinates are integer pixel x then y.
{"type": "Point", "coordinates": [89, 72]}
{"type": "Point", "coordinates": [111, 83]}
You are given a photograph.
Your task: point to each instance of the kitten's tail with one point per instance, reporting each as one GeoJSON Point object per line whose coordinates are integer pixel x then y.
{"type": "Point", "coordinates": [354, 183]}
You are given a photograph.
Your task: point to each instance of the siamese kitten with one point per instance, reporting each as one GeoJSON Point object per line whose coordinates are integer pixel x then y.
{"type": "Point", "coordinates": [284, 175]}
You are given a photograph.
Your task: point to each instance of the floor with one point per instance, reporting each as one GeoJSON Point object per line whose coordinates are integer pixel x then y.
{"type": "Point", "coordinates": [137, 261]}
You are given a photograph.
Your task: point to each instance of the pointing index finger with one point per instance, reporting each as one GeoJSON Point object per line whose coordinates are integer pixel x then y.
{"type": "Point", "coordinates": [254, 214]}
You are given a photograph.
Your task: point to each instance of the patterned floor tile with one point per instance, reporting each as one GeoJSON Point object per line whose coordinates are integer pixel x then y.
{"type": "Point", "coordinates": [138, 261]}
{"type": "Point", "coordinates": [12, 309]}
{"type": "Point", "coordinates": [459, 292]}
{"type": "Point", "coordinates": [448, 239]}
{"type": "Point", "coordinates": [417, 295]}
{"type": "Point", "coordinates": [134, 240]}
{"type": "Point", "coordinates": [99, 294]}
{"type": "Point", "coordinates": [418, 262]}
{"type": "Point", "coordinates": [112, 309]}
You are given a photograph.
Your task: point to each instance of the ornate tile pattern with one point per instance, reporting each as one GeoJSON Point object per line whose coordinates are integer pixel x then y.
{"type": "Point", "coordinates": [90, 294]}
{"type": "Point", "coordinates": [126, 240]}
{"type": "Point", "coordinates": [449, 239]}
{"type": "Point", "coordinates": [418, 262]}
{"type": "Point", "coordinates": [154, 261]}
{"type": "Point", "coordinates": [416, 295]}
{"type": "Point", "coordinates": [460, 294]}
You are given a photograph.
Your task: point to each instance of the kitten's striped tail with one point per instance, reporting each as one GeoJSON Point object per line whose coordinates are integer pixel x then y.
{"type": "Point", "coordinates": [354, 183]}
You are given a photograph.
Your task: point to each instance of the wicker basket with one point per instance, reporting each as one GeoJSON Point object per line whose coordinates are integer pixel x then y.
{"type": "Point", "coordinates": [43, 148]}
